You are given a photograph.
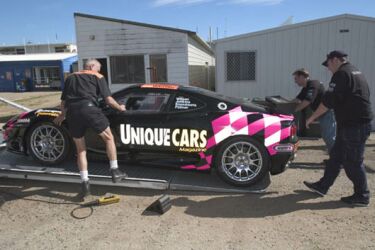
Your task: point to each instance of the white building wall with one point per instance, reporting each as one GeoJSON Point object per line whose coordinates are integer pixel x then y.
{"type": "Point", "coordinates": [280, 52]}
{"type": "Point", "coordinates": [197, 55]}
{"type": "Point", "coordinates": [98, 38]}
{"type": "Point", "coordinates": [201, 65]}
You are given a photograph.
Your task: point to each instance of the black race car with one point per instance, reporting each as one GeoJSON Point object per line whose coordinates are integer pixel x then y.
{"type": "Point", "coordinates": [186, 127]}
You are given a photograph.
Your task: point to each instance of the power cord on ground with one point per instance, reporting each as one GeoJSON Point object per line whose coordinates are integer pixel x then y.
{"type": "Point", "coordinates": [100, 201]}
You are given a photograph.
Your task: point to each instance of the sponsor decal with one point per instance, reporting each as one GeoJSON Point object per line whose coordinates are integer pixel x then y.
{"type": "Point", "coordinates": [331, 86]}
{"type": "Point", "coordinates": [184, 103]}
{"type": "Point", "coordinates": [222, 106]}
{"type": "Point", "coordinates": [186, 139]}
{"type": "Point", "coordinates": [47, 112]}
{"type": "Point", "coordinates": [25, 120]}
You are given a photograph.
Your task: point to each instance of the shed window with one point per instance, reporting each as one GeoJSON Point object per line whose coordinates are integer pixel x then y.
{"type": "Point", "coordinates": [241, 66]}
{"type": "Point", "coordinates": [20, 51]}
{"type": "Point", "coordinates": [61, 49]}
{"type": "Point", "coordinates": [127, 69]}
{"type": "Point", "coordinates": [46, 77]}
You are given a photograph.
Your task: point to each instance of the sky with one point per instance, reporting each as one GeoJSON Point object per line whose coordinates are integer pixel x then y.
{"type": "Point", "coordinates": [50, 21]}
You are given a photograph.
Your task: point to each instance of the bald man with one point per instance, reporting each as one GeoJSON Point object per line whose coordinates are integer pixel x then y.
{"type": "Point", "coordinates": [78, 106]}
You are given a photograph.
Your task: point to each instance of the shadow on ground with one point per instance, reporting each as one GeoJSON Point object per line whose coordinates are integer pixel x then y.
{"type": "Point", "coordinates": [254, 206]}
{"type": "Point", "coordinates": [317, 166]}
{"type": "Point", "coordinates": [225, 206]}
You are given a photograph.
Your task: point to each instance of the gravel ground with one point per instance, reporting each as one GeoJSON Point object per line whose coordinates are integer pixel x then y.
{"type": "Point", "coordinates": [287, 216]}
{"type": "Point", "coordinates": [32, 100]}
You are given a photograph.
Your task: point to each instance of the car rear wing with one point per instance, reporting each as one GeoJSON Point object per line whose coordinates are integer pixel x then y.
{"type": "Point", "coordinates": [277, 105]}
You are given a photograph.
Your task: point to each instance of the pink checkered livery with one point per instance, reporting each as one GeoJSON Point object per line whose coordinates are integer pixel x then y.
{"type": "Point", "coordinates": [238, 122]}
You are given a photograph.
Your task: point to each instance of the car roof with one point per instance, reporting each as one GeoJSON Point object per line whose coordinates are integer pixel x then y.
{"type": "Point", "coordinates": [186, 89]}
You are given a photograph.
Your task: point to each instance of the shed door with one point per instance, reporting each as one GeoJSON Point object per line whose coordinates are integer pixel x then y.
{"type": "Point", "coordinates": [158, 68]}
{"type": "Point", "coordinates": [104, 68]}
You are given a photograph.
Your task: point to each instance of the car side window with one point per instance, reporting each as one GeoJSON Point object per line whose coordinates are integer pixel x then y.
{"type": "Point", "coordinates": [145, 102]}
{"type": "Point", "coordinates": [184, 102]}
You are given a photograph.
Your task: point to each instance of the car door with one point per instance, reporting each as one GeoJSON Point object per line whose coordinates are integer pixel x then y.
{"type": "Point", "coordinates": [142, 127]}
{"type": "Point", "coordinates": [188, 119]}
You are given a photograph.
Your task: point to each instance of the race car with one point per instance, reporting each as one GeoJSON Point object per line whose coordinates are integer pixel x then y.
{"type": "Point", "coordinates": [172, 125]}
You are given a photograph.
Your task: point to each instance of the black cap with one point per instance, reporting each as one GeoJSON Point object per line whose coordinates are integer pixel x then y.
{"type": "Point", "coordinates": [333, 54]}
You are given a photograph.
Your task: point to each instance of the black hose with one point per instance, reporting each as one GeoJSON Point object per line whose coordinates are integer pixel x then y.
{"type": "Point", "coordinates": [79, 206]}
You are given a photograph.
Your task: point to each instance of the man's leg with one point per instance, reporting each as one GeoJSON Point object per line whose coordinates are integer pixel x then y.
{"type": "Point", "coordinates": [332, 169]}
{"type": "Point", "coordinates": [355, 139]}
{"type": "Point", "coordinates": [81, 153]}
{"type": "Point", "coordinates": [109, 141]}
{"type": "Point", "coordinates": [82, 165]}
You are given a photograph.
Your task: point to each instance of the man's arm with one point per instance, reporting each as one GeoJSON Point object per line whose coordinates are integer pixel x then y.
{"type": "Point", "coordinates": [302, 105]}
{"type": "Point", "coordinates": [58, 120]}
{"type": "Point", "coordinates": [113, 104]}
{"type": "Point", "coordinates": [320, 111]}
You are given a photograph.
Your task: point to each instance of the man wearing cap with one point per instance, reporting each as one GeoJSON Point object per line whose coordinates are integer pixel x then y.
{"type": "Point", "coordinates": [349, 96]}
{"type": "Point", "coordinates": [311, 95]}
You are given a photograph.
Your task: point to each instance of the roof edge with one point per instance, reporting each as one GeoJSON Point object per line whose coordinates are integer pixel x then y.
{"type": "Point", "coordinates": [295, 25]}
{"type": "Point", "coordinates": [76, 14]}
{"type": "Point", "coordinates": [188, 32]}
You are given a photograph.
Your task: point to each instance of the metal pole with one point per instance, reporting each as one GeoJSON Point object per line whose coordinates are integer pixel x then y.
{"type": "Point", "coordinates": [14, 104]}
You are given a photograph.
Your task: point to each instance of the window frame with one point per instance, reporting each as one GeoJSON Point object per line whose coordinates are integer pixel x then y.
{"type": "Point", "coordinates": [127, 55]}
{"type": "Point", "coordinates": [240, 51]}
{"type": "Point", "coordinates": [140, 91]}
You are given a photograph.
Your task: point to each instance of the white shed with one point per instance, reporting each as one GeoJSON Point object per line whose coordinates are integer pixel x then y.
{"type": "Point", "coordinates": [261, 63]}
{"type": "Point", "coordinates": [132, 52]}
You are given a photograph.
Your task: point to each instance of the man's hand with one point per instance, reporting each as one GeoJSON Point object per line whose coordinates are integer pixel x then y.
{"type": "Point", "coordinates": [122, 108]}
{"type": "Point", "coordinates": [320, 111]}
{"type": "Point", "coordinates": [58, 120]}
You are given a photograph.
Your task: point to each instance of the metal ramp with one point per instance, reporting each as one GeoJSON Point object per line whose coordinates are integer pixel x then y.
{"type": "Point", "coordinates": [140, 176]}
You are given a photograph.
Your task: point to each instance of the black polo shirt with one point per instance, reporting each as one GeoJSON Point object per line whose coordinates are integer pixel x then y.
{"type": "Point", "coordinates": [85, 85]}
{"type": "Point", "coordinates": [349, 96]}
{"type": "Point", "coordinates": [313, 93]}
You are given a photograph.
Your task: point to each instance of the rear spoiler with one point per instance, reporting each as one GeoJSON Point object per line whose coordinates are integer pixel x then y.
{"type": "Point", "coordinates": [277, 105]}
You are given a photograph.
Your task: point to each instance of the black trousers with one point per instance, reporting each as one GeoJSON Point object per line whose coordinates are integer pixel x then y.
{"type": "Point", "coordinates": [348, 151]}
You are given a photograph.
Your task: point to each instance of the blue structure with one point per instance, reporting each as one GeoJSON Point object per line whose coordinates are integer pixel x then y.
{"type": "Point", "coordinates": [35, 71]}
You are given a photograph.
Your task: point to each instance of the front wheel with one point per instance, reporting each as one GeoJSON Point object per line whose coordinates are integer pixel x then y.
{"type": "Point", "coordinates": [48, 143]}
{"type": "Point", "coordinates": [242, 161]}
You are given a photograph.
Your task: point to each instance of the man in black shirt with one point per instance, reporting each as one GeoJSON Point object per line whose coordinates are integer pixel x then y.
{"type": "Point", "coordinates": [78, 105]}
{"type": "Point", "coordinates": [311, 95]}
{"type": "Point", "coordinates": [349, 96]}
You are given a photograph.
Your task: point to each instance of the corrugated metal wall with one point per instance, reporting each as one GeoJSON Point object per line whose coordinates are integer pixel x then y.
{"type": "Point", "coordinates": [280, 52]}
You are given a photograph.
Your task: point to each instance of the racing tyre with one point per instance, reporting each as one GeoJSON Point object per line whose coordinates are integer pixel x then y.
{"type": "Point", "coordinates": [242, 161]}
{"type": "Point", "coordinates": [48, 144]}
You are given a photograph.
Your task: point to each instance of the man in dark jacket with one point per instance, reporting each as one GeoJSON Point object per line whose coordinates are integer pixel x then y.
{"type": "Point", "coordinates": [78, 104]}
{"type": "Point", "coordinates": [349, 96]}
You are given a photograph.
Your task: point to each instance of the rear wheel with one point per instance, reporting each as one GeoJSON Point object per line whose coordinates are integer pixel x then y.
{"type": "Point", "coordinates": [48, 143]}
{"type": "Point", "coordinates": [242, 161]}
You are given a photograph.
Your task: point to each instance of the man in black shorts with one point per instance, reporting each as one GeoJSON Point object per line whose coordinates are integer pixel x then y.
{"type": "Point", "coordinates": [78, 106]}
